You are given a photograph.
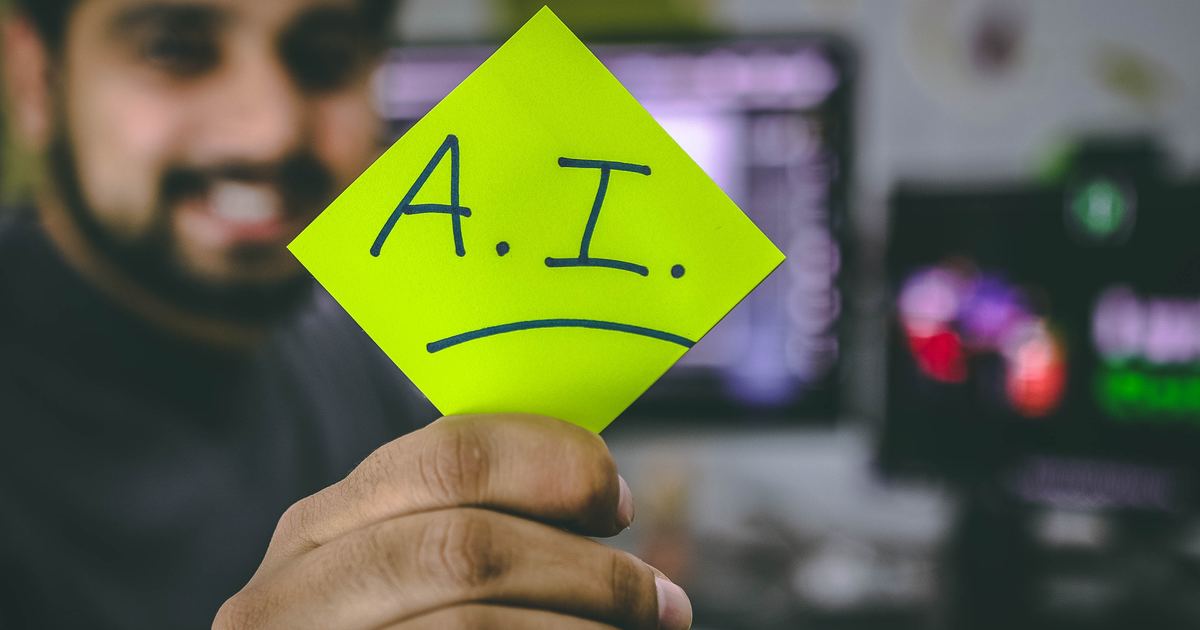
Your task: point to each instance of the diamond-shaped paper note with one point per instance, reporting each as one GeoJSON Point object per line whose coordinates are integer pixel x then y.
{"type": "Point", "coordinates": [537, 243]}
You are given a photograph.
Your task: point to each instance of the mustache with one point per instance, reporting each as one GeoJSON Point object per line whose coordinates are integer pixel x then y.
{"type": "Point", "coordinates": [302, 180]}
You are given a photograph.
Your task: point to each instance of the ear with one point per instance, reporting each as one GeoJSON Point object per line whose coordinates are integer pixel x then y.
{"type": "Point", "coordinates": [26, 80]}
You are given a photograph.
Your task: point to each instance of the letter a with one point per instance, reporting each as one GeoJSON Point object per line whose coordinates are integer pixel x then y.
{"type": "Point", "coordinates": [406, 206]}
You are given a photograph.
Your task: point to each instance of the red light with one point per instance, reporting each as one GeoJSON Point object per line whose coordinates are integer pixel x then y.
{"type": "Point", "coordinates": [940, 355]}
{"type": "Point", "coordinates": [1037, 374]}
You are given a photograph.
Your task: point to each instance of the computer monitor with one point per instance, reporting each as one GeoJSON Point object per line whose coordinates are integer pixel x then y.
{"type": "Point", "coordinates": [769, 120]}
{"type": "Point", "coordinates": [1047, 340]}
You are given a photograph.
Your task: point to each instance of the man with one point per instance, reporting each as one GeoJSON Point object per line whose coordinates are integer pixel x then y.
{"type": "Point", "coordinates": [169, 385]}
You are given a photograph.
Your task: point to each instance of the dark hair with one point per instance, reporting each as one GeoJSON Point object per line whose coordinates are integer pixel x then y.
{"type": "Point", "coordinates": [49, 17]}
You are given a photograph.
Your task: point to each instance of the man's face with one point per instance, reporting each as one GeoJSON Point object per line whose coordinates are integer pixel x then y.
{"type": "Point", "coordinates": [197, 137]}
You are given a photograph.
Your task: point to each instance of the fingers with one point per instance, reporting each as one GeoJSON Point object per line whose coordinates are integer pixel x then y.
{"type": "Point", "coordinates": [537, 467]}
{"type": "Point", "coordinates": [484, 617]}
{"type": "Point", "coordinates": [401, 569]}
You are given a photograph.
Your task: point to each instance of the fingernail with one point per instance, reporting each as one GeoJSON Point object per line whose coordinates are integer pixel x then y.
{"type": "Point", "coordinates": [674, 608]}
{"type": "Point", "coordinates": [624, 505]}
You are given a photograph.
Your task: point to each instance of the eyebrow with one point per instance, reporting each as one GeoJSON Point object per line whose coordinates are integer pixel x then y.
{"type": "Point", "coordinates": [168, 14]}
{"type": "Point", "coordinates": [326, 18]}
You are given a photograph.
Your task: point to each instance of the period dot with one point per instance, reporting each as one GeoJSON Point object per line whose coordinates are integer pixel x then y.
{"type": "Point", "coordinates": [677, 271]}
{"type": "Point", "coordinates": [502, 248]}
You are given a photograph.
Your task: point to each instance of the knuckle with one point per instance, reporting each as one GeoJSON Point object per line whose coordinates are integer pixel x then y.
{"type": "Point", "coordinates": [629, 587]}
{"type": "Point", "coordinates": [459, 551]}
{"type": "Point", "coordinates": [368, 561]}
{"type": "Point", "coordinates": [381, 549]}
{"type": "Point", "coordinates": [297, 518]}
{"type": "Point", "coordinates": [454, 464]}
{"type": "Point", "coordinates": [382, 464]}
{"type": "Point", "coordinates": [297, 524]}
{"type": "Point", "coordinates": [240, 613]}
{"type": "Point", "coordinates": [591, 483]}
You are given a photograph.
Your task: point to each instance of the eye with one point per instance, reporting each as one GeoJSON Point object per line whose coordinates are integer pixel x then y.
{"type": "Point", "coordinates": [180, 54]}
{"type": "Point", "coordinates": [323, 61]}
{"type": "Point", "coordinates": [326, 49]}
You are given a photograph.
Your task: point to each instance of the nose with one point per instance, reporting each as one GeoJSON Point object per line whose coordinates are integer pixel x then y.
{"type": "Point", "coordinates": [258, 116]}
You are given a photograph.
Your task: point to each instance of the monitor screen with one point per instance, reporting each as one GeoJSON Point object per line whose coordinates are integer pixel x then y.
{"type": "Point", "coordinates": [1048, 339]}
{"type": "Point", "coordinates": [768, 120]}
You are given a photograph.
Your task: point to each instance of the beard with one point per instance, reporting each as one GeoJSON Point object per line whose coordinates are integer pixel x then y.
{"type": "Point", "coordinates": [153, 259]}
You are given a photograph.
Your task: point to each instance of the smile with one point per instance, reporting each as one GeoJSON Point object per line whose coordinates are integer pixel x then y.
{"type": "Point", "coordinates": [541, 324]}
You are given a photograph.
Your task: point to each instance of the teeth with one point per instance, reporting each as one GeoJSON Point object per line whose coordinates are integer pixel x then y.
{"type": "Point", "coordinates": [243, 203]}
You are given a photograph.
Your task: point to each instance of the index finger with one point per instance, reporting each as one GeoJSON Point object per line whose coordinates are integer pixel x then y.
{"type": "Point", "coordinates": [537, 467]}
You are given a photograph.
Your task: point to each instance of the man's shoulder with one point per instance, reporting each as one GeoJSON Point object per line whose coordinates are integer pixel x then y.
{"type": "Point", "coordinates": [323, 327]}
{"type": "Point", "coordinates": [326, 344]}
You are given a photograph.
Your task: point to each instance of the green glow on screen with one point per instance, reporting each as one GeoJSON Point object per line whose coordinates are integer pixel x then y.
{"type": "Point", "coordinates": [1131, 394]}
{"type": "Point", "coordinates": [1100, 208]}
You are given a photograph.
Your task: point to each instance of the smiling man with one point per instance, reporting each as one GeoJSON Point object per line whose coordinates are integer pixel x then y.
{"type": "Point", "coordinates": [171, 381]}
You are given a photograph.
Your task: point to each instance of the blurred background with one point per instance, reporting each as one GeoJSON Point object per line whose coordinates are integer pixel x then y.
{"type": "Point", "coordinates": [971, 397]}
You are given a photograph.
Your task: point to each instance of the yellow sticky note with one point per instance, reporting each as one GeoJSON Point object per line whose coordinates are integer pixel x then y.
{"type": "Point", "coordinates": [537, 243]}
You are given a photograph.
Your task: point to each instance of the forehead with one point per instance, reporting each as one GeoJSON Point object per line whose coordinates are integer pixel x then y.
{"type": "Point", "coordinates": [267, 14]}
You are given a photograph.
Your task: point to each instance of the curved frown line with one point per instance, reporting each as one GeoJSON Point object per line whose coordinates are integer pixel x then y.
{"type": "Point", "coordinates": [491, 331]}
